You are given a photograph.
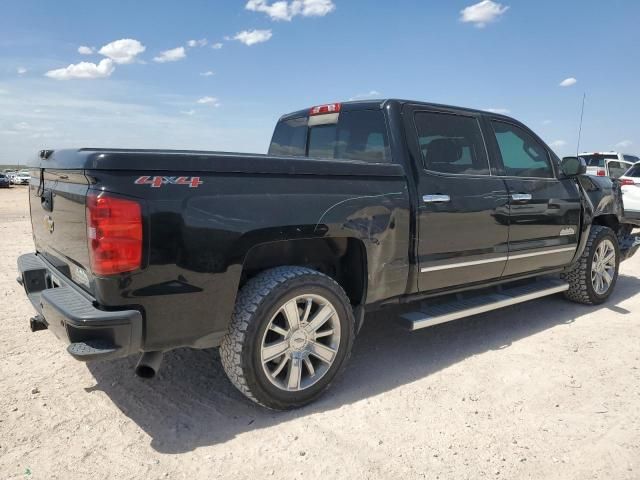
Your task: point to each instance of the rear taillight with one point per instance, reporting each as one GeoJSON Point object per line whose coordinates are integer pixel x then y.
{"type": "Point", "coordinates": [601, 172]}
{"type": "Point", "coordinates": [627, 181]}
{"type": "Point", "coordinates": [114, 232]}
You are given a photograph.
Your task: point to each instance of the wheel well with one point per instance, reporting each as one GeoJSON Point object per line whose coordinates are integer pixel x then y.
{"type": "Point", "coordinates": [343, 259]}
{"type": "Point", "coordinates": [608, 220]}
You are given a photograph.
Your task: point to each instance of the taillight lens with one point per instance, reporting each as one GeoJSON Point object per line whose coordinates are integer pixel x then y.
{"type": "Point", "coordinates": [325, 109]}
{"type": "Point", "coordinates": [601, 172]}
{"type": "Point", "coordinates": [627, 181]}
{"type": "Point", "coordinates": [114, 232]}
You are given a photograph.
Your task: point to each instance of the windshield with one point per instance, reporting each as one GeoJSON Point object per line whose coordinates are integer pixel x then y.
{"type": "Point", "coordinates": [597, 160]}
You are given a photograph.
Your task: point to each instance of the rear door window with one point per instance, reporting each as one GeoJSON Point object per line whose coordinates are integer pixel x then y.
{"type": "Point", "coordinates": [617, 169]}
{"type": "Point", "coordinates": [522, 155]}
{"type": "Point", "coordinates": [451, 143]}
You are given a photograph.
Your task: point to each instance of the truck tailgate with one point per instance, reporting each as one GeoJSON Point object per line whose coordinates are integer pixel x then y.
{"type": "Point", "coordinates": [57, 202]}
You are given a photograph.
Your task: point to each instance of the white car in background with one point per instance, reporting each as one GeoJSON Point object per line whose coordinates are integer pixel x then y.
{"type": "Point", "coordinates": [630, 184]}
{"type": "Point", "coordinates": [608, 164]}
{"type": "Point", "coordinates": [22, 178]}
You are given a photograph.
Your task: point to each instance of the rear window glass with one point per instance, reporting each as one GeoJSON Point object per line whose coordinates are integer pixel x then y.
{"type": "Point", "coordinates": [597, 160]}
{"type": "Point", "coordinates": [633, 171]}
{"type": "Point", "coordinates": [358, 135]}
{"type": "Point", "coordinates": [631, 158]}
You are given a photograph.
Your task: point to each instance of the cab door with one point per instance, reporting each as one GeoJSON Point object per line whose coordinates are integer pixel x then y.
{"type": "Point", "coordinates": [462, 212]}
{"type": "Point", "coordinates": [544, 210]}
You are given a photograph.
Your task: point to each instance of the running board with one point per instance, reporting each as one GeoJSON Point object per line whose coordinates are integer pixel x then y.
{"type": "Point", "coordinates": [454, 310]}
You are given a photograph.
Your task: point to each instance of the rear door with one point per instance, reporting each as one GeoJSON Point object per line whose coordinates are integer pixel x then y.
{"type": "Point", "coordinates": [544, 210]}
{"type": "Point", "coordinates": [462, 210]}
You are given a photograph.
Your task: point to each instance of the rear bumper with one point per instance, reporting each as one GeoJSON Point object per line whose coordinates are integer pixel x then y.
{"type": "Point", "coordinates": [70, 313]}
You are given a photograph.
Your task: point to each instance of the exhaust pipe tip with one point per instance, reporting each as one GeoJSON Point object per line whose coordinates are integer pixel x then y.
{"type": "Point", "coordinates": [149, 364]}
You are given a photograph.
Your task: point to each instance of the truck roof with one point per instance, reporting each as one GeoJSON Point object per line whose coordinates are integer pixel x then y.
{"type": "Point", "coordinates": [375, 104]}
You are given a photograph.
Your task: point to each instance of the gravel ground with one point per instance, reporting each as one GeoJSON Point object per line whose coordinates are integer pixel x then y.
{"type": "Point", "coordinates": [547, 389]}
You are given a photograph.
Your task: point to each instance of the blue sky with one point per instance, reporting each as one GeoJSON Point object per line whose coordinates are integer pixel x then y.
{"type": "Point", "coordinates": [267, 58]}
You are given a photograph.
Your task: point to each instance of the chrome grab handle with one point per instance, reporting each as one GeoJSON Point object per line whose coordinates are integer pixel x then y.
{"type": "Point", "coordinates": [521, 197]}
{"type": "Point", "coordinates": [436, 198]}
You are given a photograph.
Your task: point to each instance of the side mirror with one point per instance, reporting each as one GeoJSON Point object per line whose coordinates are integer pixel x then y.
{"type": "Point", "coordinates": [573, 166]}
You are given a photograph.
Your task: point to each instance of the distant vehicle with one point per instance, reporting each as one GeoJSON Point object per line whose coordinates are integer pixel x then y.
{"type": "Point", "coordinates": [630, 184]}
{"type": "Point", "coordinates": [22, 178]}
{"type": "Point", "coordinates": [4, 181]}
{"type": "Point", "coordinates": [11, 176]}
{"type": "Point", "coordinates": [608, 164]}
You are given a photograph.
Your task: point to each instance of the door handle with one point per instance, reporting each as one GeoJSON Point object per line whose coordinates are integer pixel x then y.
{"type": "Point", "coordinates": [521, 197]}
{"type": "Point", "coordinates": [436, 198]}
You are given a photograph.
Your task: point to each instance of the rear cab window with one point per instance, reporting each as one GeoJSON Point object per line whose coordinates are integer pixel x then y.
{"type": "Point", "coordinates": [349, 135]}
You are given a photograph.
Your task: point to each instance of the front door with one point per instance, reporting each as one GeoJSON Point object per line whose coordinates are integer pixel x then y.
{"type": "Point", "coordinates": [544, 211]}
{"type": "Point", "coordinates": [462, 210]}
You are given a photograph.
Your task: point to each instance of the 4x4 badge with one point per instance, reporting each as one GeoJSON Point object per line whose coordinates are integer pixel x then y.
{"type": "Point", "coordinates": [157, 182]}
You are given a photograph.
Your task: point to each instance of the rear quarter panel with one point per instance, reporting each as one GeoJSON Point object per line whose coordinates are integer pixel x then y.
{"type": "Point", "coordinates": [198, 239]}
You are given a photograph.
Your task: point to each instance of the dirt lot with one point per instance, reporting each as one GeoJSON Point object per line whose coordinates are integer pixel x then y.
{"type": "Point", "coordinates": [547, 389]}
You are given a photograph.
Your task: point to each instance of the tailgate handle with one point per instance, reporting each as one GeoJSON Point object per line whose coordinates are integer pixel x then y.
{"type": "Point", "coordinates": [46, 200]}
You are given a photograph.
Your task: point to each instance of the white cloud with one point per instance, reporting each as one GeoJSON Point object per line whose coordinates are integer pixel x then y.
{"type": "Point", "coordinates": [501, 111]}
{"type": "Point", "coordinates": [213, 101]}
{"type": "Point", "coordinates": [124, 50]}
{"type": "Point", "coordinates": [22, 70]}
{"type": "Point", "coordinates": [172, 55]}
{"type": "Point", "coordinates": [284, 10]}
{"type": "Point", "coordinates": [568, 82]}
{"type": "Point", "coordinates": [557, 144]}
{"type": "Point", "coordinates": [84, 50]}
{"type": "Point", "coordinates": [198, 43]}
{"type": "Point", "coordinates": [216, 46]}
{"type": "Point", "coordinates": [188, 112]}
{"type": "Point", "coordinates": [482, 13]}
{"type": "Point", "coordinates": [208, 73]}
{"type": "Point", "coordinates": [251, 37]}
{"type": "Point", "coordinates": [368, 95]}
{"type": "Point", "coordinates": [624, 144]}
{"type": "Point", "coordinates": [84, 70]}
{"type": "Point", "coordinates": [546, 122]}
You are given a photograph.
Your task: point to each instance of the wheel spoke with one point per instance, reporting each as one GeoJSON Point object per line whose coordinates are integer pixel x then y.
{"type": "Point", "coordinates": [309, 365]}
{"type": "Point", "coordinates": [320, 318]}
{"type": "Point", "coordinates": [307, 311]}
{"type": "Point", "coordinates": [279, 330]}
{"type": "Point", "coordinates": [609, 258]}
{"type": "Point", "coordinates": [324, 333]}
{"type": "Point", "coordinates": [607, 277]}
{"type": "Point", "coordinates": [323, 352]}
{"type": "Point", "coordinates": [280, 366]}
{"type": "Point", "coordinates": [295, 374]}
{"type": "Point", "coordinates": [292, 315]}
{"type": "Point", "coordinates": [273, 351]}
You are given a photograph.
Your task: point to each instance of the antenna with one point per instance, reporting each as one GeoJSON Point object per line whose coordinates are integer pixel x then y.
{"type": "Point", "coordinates": [584, 97]}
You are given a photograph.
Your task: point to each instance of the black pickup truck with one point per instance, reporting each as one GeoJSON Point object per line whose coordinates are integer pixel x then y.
{"type": "Point", "coordinates": [276, 258]}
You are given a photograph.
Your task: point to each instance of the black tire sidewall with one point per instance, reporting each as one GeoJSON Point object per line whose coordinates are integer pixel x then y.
{"type": "Point", "coordinates": [594, 296]}
{"type": "Point", "coordinates": [261, 387]}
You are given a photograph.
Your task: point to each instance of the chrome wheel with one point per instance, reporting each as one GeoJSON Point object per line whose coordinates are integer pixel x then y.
{"type": "Point", "coordinates": [603, 267]}
{"type": "Point", "coordinates": [300, 343]}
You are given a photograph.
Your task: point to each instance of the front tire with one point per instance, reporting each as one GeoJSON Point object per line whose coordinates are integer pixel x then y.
{"type": "Point", "coordinates": [593, 278]}
{"type": "Point", "coordinates": [290, 335]}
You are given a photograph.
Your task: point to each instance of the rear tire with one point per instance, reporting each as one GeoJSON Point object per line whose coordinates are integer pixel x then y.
{"type": "Point", "coordinates": [290, 335]}
{"type": "Point", "coordinates": [593, 278]}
